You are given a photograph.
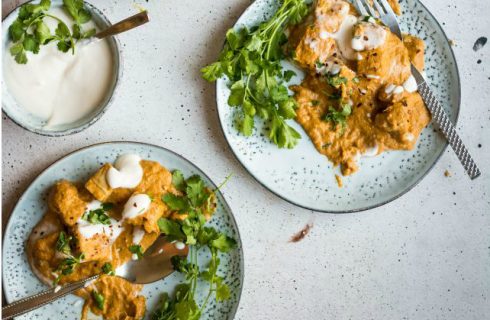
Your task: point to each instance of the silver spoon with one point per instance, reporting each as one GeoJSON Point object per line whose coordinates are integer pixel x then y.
{"type": "Point", "coordinates": [154, 265]}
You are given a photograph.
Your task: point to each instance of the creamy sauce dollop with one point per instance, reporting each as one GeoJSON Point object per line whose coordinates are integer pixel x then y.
{"type": "Point", "coordinates": [136, 205]}
{"type": "Point", "coordinates": [58, 87]}
{"type": "Point", "coordinates": [126, 173]}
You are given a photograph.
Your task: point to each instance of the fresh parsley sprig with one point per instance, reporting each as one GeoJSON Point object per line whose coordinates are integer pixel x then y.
{"type": "Point", "coordinates": [29, 31]}
{"type": "Point", "coordinates": [192, 231]}
{"type": "Point", "coordinates": [251, 59]}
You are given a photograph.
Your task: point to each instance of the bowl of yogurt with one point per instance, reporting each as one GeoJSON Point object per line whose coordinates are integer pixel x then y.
{"type": "Point", "coordinates": [60, 93]}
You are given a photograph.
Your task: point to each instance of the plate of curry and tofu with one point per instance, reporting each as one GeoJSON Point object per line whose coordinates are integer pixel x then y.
{"type": "Point", "coordinates": [100, 207]}
{"type": "Point", "coordinates": [319, 104]}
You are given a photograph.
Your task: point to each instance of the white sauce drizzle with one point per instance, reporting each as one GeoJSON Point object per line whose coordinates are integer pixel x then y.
{"type": "Point", "coordinates": [343, 37]}
{"type": "Point", "coordinates": [138, 234]}
{"type": "Point", "coordinates": [372, 76]}
{"type": "Point", "coordinates": [126, 173]}
{"type": "Point", "coordinates": [136, 205]}
{"type": "Point", "coordinates": [372, 37]}
{"type": "Point", "coordinates": [410, 84]}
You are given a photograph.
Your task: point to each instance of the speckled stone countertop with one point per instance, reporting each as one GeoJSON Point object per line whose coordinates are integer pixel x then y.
{"type": "Point", "coordinates": [423, 256]}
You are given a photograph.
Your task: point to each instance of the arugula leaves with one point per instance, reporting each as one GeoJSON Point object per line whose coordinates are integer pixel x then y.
{"type": "Point", "coordinates": [251, 59]}
{"type": "Point", "coordinates": [29, 31]}
{"type": "Point", "coordinates": [98, 216]}
{"type": "Point", "coordinates": [192, 231]}
{"type": "Point", "coordinates": [338, 117]}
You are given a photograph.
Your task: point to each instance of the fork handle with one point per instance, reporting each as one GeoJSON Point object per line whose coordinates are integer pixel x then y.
{"type": "Point", "coordinates": [33, 302]}
{"type": "Point", "coordinates": [447, 128]}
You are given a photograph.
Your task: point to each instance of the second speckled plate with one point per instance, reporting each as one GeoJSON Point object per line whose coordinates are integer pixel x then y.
{"type": "Point", "coordinates": [304, 177]}
{"type": "Point", "coordinates": [18, 280]}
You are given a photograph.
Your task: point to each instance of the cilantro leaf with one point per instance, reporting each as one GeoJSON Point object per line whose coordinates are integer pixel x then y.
{"type": "Point", "coordinates": [63, 243]}
{"type": "Point", "coordinates": [98, 216]}
{"type": "Point", "coordinates": [196, 191]}
{"type": "Point", "coordinates": [137, 250]}
{"type": "Point", "coordinates": [171, 228]}
{"type": "Point", "coordinates": [251, 59]}
{"type": "Point", "coordinates": [174, 202]}
{"type": "Point", "coordinates": [108, 269]}
{"type": "Point", "coordinates": [99, 299]}
{"type": "Point", "coordinates": [338, 117]}
{"type": "Point", "coordinates": [178, 180]}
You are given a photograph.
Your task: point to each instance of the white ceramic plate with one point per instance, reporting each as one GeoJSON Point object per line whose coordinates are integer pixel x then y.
{"type": "Point", "coordinates": [304, 177]}
{"type": "Point", "coordinates": [20, 282]}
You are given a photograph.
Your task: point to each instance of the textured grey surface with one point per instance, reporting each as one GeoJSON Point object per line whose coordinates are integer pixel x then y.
{"type": "Point", "coordinates": [423, 256]}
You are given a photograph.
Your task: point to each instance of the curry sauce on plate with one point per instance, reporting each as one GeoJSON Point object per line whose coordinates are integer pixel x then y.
{"type": "Point", "coordinates": [358, 97]}
{"type": "Point", "coordinates": [94, 227]}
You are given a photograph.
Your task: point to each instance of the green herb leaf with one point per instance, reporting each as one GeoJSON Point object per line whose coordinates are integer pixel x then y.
{"type": "Point", "coordinates": [63, 243]}
{"type": "Point", "coordinates": [98, 216]}
{"type": "Point", "coordinates": [338, 117]}
{"type": "Point", "coordinates": [176, 203]}
{"type": "Point", "coordinates": [171, 229]}
{"type": "Point", "coordinates": [336, 81]}
{"type": "Point", "coordinates": [137, 250]}
{"type": "Point", "coordinates": [99, 299]}
{"type": "Point", "coordinates": [108, 269]}
{"type": "Point", "coordinates": [252, 62]}
{"type": "Point", "coordinates": [178, 180]}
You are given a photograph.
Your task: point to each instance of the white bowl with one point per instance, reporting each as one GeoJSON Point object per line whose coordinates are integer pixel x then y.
{"type": "Point", "coordinates": [22, 117]}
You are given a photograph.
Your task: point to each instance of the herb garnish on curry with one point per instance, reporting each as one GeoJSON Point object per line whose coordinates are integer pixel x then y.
{"type": "Point", "coordinates": [358, 97]}
{"type": "Point", "coordinates": [96, 227]}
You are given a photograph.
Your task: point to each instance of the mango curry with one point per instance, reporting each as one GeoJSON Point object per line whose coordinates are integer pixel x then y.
{"type": "Point", "coordinates": [96, 227]}
{"type": "Point", "coordinates": [358, 97]}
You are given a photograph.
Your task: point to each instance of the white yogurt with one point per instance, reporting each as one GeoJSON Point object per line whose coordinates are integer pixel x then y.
{"type": "Point", "coordinates": [136, 205]}
{"type": "Point", "coordinates": [60, 87]}
{"type": "Point", "coordinates": [126, 173]}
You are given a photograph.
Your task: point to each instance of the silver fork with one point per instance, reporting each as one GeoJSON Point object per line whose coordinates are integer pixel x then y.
{"type": "Point", "coordinates": [385, 13]}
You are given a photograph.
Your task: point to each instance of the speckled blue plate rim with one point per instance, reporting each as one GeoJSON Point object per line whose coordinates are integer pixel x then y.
{"type": "Point", "coordinates": [224, 203]}
{"type": "Point", "coordinates": [410, 187]}
{"type": "Point", "coordinates": [115, 89]}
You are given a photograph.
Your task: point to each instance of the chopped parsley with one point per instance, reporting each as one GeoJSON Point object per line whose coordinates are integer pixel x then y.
{"type": "Point", "coordinates": [98, 216]}
{"type": "Point", "coordinates": [193, 232]}
{"type": "Point", "coordinates": [29, 31]}
{"type": "Point", "coordinates": [108, 269]}
{"type": "Point", "coordinates": [336, 81]}
{"type": "Point", "coordinates": [251, 61]}
{"type": "Point", "coordinates": [137, 250]}
{"type": "Point", "coordinates": [67, 266]}
{"type": "Point", "coordinates": [63, 243]}
{"type": "Point", "coordinates": [339, 117]}
{"type": "Point", "coordinates": [99, 299]}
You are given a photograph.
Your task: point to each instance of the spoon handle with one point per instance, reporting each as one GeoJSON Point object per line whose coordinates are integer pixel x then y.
{"type": "Point", "coordinates": [33, 302]}
{"type": "Point", "coordinates": [124, 25]}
